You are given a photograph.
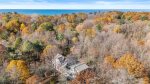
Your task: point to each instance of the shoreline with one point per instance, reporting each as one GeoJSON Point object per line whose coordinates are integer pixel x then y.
{"type": "Point", "coordinates": [53, 12]}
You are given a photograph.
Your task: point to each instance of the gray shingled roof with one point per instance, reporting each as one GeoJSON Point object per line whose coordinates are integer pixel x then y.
{"type": "Point", "coordinates": [71, 61]}
{"type": "Point", "coordinates": [61, 59]}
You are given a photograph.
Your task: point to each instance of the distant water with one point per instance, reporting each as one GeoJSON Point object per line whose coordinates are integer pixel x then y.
{"type": "Point", "coordinates": [61, 11]}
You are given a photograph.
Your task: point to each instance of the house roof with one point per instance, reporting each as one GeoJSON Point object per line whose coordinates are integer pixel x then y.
{"type": "Point", "coordinates": [79, 67]}
{"type": "Point", "coordinates": [71, 61]}
{"type": "Point", "coordinates": [70, 64]}
{"type": "Point", "coordinates": [60, 58]}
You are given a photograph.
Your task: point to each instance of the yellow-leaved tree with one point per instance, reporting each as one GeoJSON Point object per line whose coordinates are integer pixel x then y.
{"type": "Point", "coordinates": [71, 18]}
{"type": "Point", "coordinates": [117, 29]}
{"type": "Point", "coordinates": [91, 32]}
{"type": "Point", "coordinates": [24, 29]}
{"type": "Point", "coordinates": [18, 69]}
{"type": "Point", "coordinates": [133, 66]}
{"type": "Point", "coordinates": [49, 52]}
{"type": "Point", "coordinates": [22, 26]}
{"type": "Point", "coordinates": [74, 39]}
{"type": "Point", "coordinates": [128, 62]}
{"type": "Point", "coordinates": [13, 25]}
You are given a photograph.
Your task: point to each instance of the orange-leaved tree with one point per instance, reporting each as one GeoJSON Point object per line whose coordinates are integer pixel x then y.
{"type": "Point", "coordinates": [129, 62]}
{"type": "Point", "coordinates": [84, 77]}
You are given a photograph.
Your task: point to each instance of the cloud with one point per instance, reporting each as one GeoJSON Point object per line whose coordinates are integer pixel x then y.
{"type": "Point", "coordinates": [125, 2]}
{"type": "Point", "coordinates": [43, 4]}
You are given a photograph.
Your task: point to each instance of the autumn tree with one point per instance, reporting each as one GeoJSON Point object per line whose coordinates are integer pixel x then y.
{"type": "Point", "coordinates": [4, 34]}
{"type": "Point", "coordinates": [59, 37]}
{"type": "Point", "coordinates": [84, 77]}
{"type": "Point", "coordinates": [144, 18]}
{"type": "Point", "coordinates": [117, 29]}
{"type": "Point", "coordinates": [18, 70]}
{"type": "Point", "coordinates": [13, 25]}
{"type": "Point", "coordinates": [74, 39]}
{"type": "Point", "coordinates": [47, 26]}
{"type": "Point", "coordinates": [6, 18]}
{"type": "Point", "coordinates": [33, 26]}
{"type": "Point", "coordinates": [3, 54]}
{"type": "Point", "coordinates": [71, 18]}
{"type": "Point", "coordinates": [61, 28]}
{"type": "Point", "coordinates": [129, 62]}
{"type": "Point", "coordinates": [14, 50]}
{"type": "Point", "coordinates": [24, 29]}
{"type": "Point", "coordinates": [38, 45]}
{"type": "Point", "coordinates": [31, 50]}
{"type": "Point", "coordinates": [133, 66]}
{"type": "Point", "coordinates": [17, 42]}
{"type": "Point", "coordinates": [27, 46]}
{"type": "Point", "coordinates": [90, 32]}
{"type": "Point", "coordinates": [99, 27]}
{"type": "Point", "coordinates": [49, 52]}
{"type": "Point", "coordinates": [22, 26]}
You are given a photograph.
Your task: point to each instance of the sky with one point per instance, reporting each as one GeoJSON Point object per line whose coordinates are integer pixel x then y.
{"type": "Point", "coordinates": [74, 4]}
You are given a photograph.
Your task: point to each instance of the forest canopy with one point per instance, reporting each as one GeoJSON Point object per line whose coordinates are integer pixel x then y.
{"type": "Point", "coordinates": [115, 45]}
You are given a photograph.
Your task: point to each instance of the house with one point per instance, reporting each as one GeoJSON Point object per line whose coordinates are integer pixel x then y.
{"type": "Point", "coordinates": [69, 66]}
